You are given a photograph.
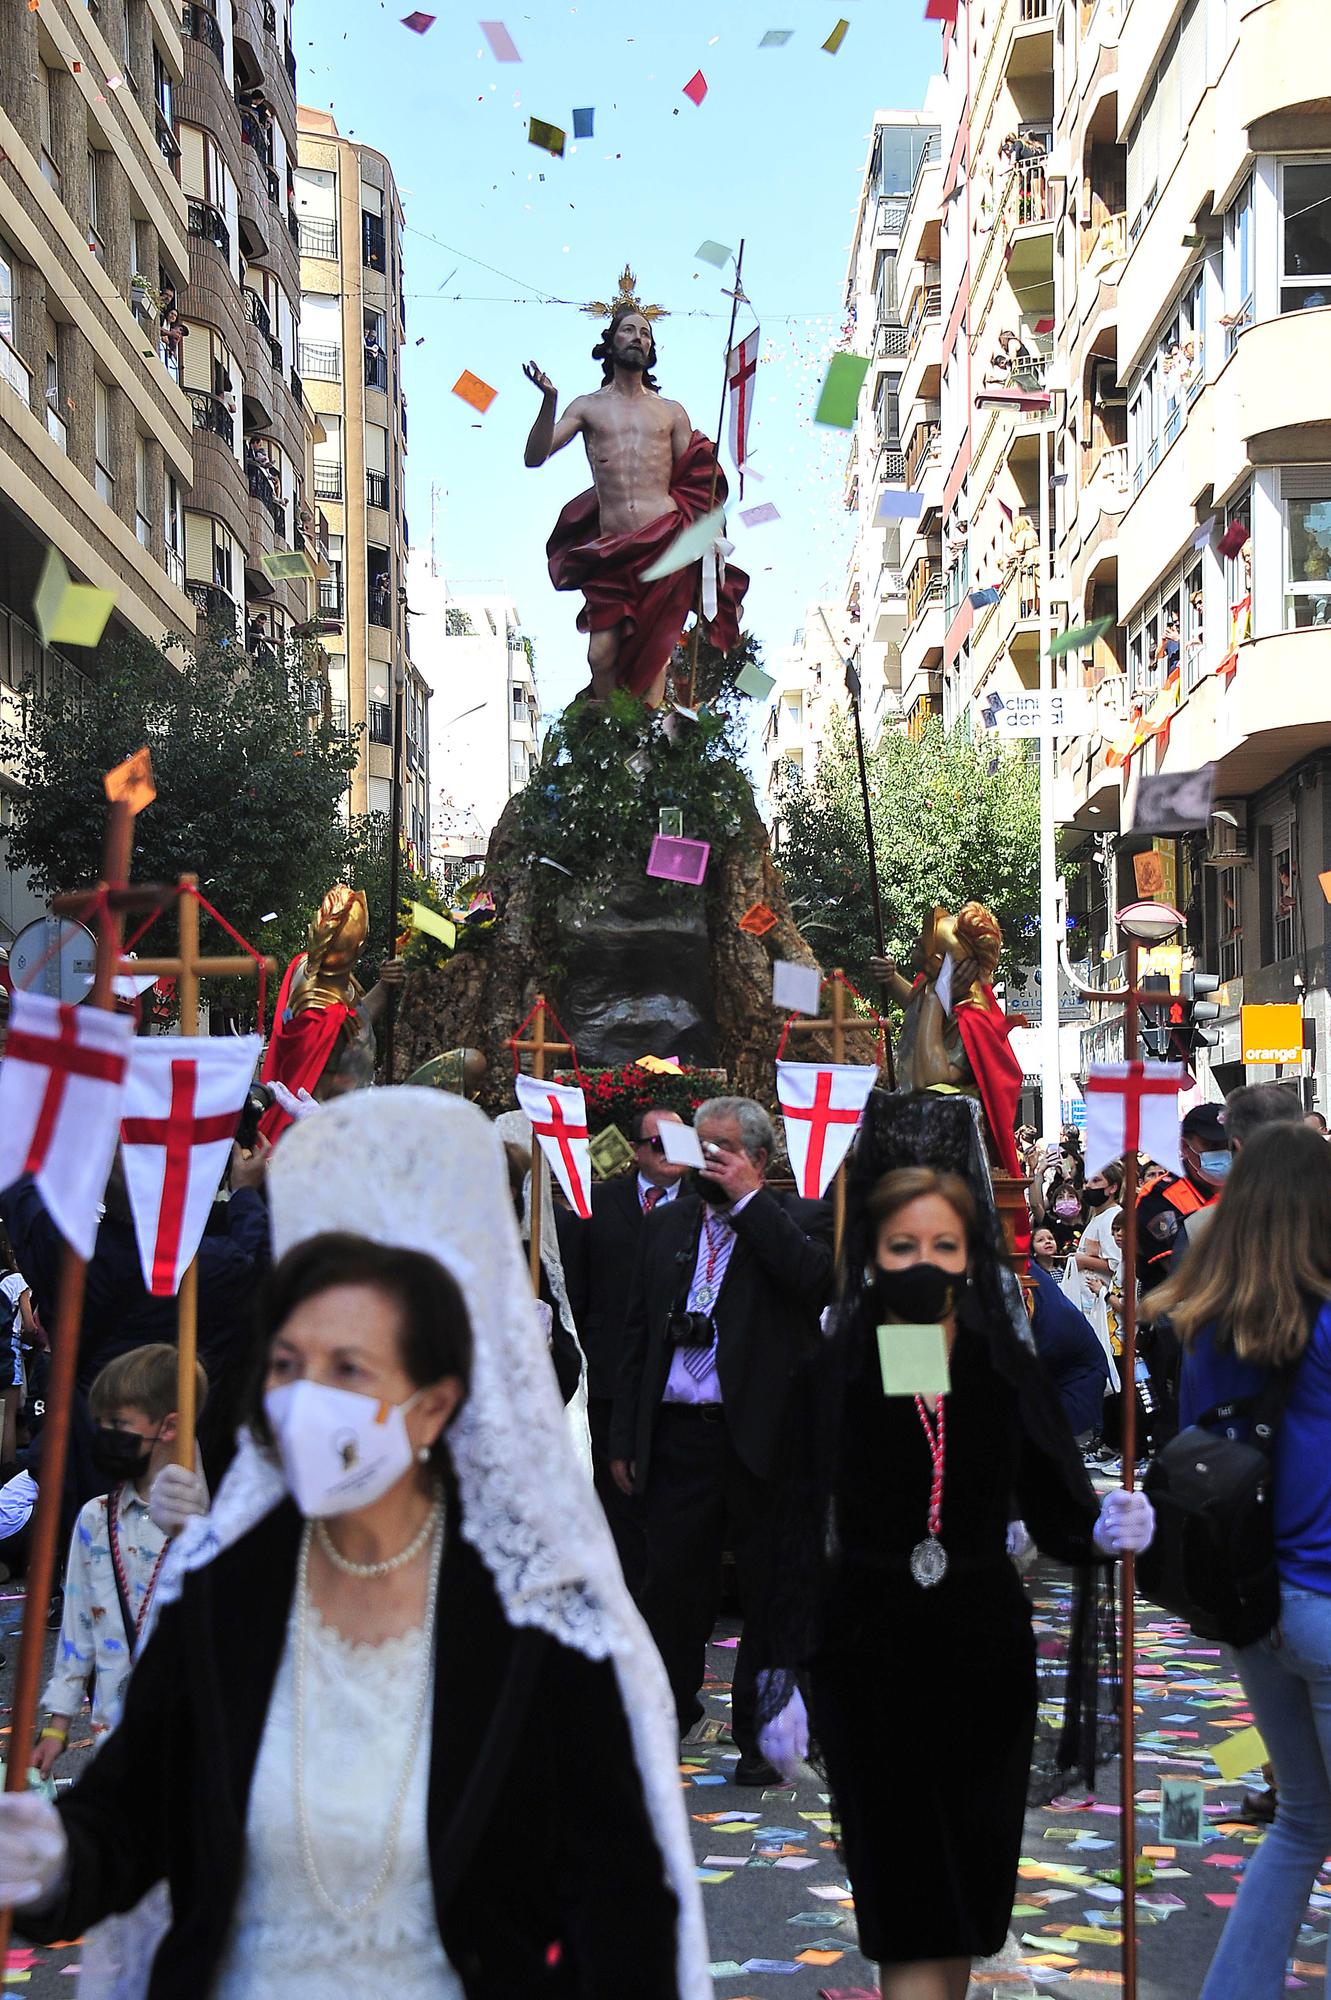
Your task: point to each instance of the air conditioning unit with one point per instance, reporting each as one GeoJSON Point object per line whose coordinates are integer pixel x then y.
{"type": "Point", "coordinates": [1228, 842]}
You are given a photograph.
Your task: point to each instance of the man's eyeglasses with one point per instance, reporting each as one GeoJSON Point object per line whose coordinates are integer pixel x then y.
{"type": "Point", "coordinates": [653, 1145]}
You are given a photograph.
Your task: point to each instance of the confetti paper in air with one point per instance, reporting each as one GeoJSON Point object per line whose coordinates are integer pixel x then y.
{"type": "Point", "coordinates": [1233, 539]}
{"type": "Point", "coordinates": [418, 23]}
{"type": "Point", "coordinates": [758, 920]}
{"type": "Point", "coordinates": [753, 681]}
{"type": "Point", "coordinates": [284, 563]}
{"type": "Point", "coordinates": [678, 860]}
{"type": "Point", "coordinates": [941, 10]}
{"type": "Point", "coordinates": [757, 517]}
{"type": "Point", "coordinates": [688, 546]}
{"type": "Point", "coordinates": [423, 918]}
{"type": "Point", "coordinates": [899, 503]}
{"type": "Point", "coordinates": [502, 46]}
{"type": "Point", "coordinates": [670, 820]}
{"type": "Point", "coordinates": [550, 138]}
{"type": "Point", "coordinates": [1077, 636]}
{"type": "Point", "coordinates": [696, 87]}
{"type": "Point", "coordinates": [718, 254]}
{"type": "Point", "coordinates": [69, 614]}
{"type": "Point", "coordinates": [980, 598]}
{"type": "Point", "coordinates": [473, 391]}
{"type": "Point", "coordinates": [913, 1360]}
{"type": "Point", "coordinates": [837, 37]}
{"type": "Point", "coordinates": [1324, 883]}
{"type": "Point", "coordinates": [584, 122]}
{"type": "Point", "coordinates": [796, 988]}
{"type": "Point", "coordinates": [776, 38]}
{"type": "Point", "coordinates": [610, 1151]}
{"type": "Point", "coordinates": [1239, 1754]}
{"type": "Point", "coordinates": [841, 391]}
{"type": "Point", "coordinates": [132, 781]}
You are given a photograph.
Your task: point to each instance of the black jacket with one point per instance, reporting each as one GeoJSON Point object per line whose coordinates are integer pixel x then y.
{"type": "Point", "coordinates": [777, 1282]}
{"type": "Point", "coordinates": [547, 1877]}
{"type": "Point", "coordinates": [599, 1259]}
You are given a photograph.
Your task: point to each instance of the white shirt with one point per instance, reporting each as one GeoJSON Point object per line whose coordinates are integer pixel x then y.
{"type": "Point", "coordinates": [716, 1247]}
{"type": "Point", "coordinates": [663, 1194]}
{"type": "Point", "coordinates": [360, 1701]}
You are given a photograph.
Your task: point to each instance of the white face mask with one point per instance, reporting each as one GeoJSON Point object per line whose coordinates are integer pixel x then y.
{"type": "Point", "coordinates": [340, 1450]}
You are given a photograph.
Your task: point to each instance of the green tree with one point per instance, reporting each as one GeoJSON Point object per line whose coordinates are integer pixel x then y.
{"type": "Point", "coordinates": [954, 817]}
{"type": "Point", "coordinates": [249, 788]}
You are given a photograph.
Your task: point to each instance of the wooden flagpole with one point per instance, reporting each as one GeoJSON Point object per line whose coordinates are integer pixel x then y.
{"type": "Point", "coordinates": [538, 1048]}
{"type": "Point", "coordinates": [838, 1026]}
{"type": "Point", "coordinates": [394, 858]}
{"type": "Point", "coordinates": [186, 969]}
{"type": "Point", "coordinates": [117, 842]}
{"type": "Point", "coordinates": [735, 298]}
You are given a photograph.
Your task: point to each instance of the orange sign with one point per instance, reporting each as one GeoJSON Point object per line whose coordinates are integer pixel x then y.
{"type": "Point", "coordinates": [1272, 1034]}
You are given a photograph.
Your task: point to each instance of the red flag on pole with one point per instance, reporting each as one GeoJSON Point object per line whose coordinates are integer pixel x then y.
{"type": "Point", "coordinates": [182, 1104]}
{"type": "Point", "coordinates": [61, 1088]}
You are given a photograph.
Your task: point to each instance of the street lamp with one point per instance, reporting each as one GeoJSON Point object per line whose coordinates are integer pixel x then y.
{"type": "Point", "coordinates": [1150, 923]}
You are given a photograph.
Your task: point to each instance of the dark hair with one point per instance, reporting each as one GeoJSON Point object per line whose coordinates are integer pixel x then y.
{"type": "Point", "coordinates": [635, 1123]}
{"type": "Point", "coordinates": [903, 1185]}
{"type": "Point", "coordinates": [434, 1339]}
{"type": "Point", "coordinates": [1255, 1104]}
{"type": "Point", "coordinates": [144, 1379]}
{"type": "Point", "coordinates": [604, 348]}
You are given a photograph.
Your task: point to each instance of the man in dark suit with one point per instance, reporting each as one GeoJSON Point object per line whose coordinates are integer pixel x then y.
{"type": "Point", "coordinates": [729, 1285]}
{"type": "Point", "coordinates": [599, 1258]}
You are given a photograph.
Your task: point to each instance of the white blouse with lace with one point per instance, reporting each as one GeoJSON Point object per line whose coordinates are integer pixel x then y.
{"type": "Point", "coordinates": [360, 1700]}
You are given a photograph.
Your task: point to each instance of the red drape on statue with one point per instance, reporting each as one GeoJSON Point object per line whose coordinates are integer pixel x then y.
{"type": "Point", "coordinates": [984, 1033]}
{"type": "Point", "coordinates": [298, 1051]}
{"type": "Point", "coordinates": [607, 569]}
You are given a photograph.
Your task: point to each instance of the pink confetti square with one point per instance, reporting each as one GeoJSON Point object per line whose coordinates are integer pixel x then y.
{"type": "Point", "coordinates": [676, 860]}
{"type": "Point", "coordinates": [756, 517]}
{"type": "Point", "coordinates": [696, 87]}
{"type": "Point", "coordinates": [418, 23]}
{"type": "Point", "coordinates": [502, 46]}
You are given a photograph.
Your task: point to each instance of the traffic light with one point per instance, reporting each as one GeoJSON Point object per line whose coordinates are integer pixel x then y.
{"type": "Point", "coordinates": [1156, 1021]}
{"type": "Point", "coordinates": [1190, 1031]}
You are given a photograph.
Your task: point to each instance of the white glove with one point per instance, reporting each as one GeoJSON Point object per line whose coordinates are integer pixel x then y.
{"type": "Point", "coordinates": [1126, 1524]}
{"type": "Point", "coordinates": [296, 1104]}
{"type": "Point", "coordinates": [177, 1494]}
{"type": "Point", "coordinates": [33, 1850]}
{"type": "Point", "coordinates": [784, 1741]}
{"type": "Point", "coordinates": [1019, 1544]}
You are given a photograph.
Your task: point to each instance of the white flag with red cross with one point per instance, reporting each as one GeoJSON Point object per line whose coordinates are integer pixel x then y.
{"type": "Point", "coordinates": [183, 1101]}
{"type": "Point", "coordinates": [62, 1083]}
{"type": "Point", "coordinates": [822, 1104]}
{"type": "Point", "coordinates": [558, 1113]}
{"type": "Point", "coordinates": [1133, 1108]}
{"type": "Point", "coordinates": [741, 382]}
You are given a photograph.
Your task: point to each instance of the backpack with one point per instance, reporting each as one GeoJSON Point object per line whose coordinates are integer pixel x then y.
{"type": "Point", "coordinates": [1213, 1557]}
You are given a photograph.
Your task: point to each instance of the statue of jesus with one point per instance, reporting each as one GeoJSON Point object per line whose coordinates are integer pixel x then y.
{"type": "Point", "coordinates": [653, 476]}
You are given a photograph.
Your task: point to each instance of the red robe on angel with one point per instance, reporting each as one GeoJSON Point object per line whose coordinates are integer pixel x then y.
{"type": "Point", "coordinates": [607, 569]}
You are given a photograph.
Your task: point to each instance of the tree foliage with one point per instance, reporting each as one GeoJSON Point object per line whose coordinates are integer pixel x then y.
{"type": "Point", "coordinates": [954, 817]}
{"type": "Point", "coordinates": [249, 790]}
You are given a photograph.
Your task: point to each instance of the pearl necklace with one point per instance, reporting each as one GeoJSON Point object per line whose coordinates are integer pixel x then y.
{"type": "Point", "coordinates": [385, 1568]}
{"type": "Point", "coordinates": [353, 1912]}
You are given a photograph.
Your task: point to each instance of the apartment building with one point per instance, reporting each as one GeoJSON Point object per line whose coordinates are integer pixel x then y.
{"type": "Point", "coordinates": [810, 676]}
{"type": "Point", "coordinates": [887, 284]}
{"type": "Point", "coordinates": [348, 221]}
{"type": "Point", "coordinates": [95, 432]}
{"type": "Point", "coordinates": [485, 714]}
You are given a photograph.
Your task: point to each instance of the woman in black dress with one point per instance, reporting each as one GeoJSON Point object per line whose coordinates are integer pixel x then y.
{"type": "Point", "coordinates": [919, 1665]}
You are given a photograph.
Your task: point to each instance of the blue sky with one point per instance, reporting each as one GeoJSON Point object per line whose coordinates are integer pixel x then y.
{"type": "Point", "coordinates": [773, 155]}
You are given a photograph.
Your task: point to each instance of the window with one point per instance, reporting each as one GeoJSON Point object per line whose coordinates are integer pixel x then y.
{"type": "Point", "coordinates": [374, 248]}
{"type": "Point", "coordinates": [1229, 918]}
{"type": "Point", "coordinates": [1194, 636]}
{"type": "Point", "coordinates": [1237, 266]}
{"type": "Point", "coordinates": [221, 559]}
{"type": "Point", "coordinates": [55, 422]}
{"type": "Point", "coordinates": [105, 480]}
{"type": "Point", "coordinates": [1238, 572]}
{"type": "Point", "coordinates": [8, 293]}
{"type": "Point", "coordinates": [1306, 494]}
{"type": "Point", "coordinates": [1167, 108]}
{"type": "Point", "coordinates": [173, 529]}
{"type": "Point", "coordinates": [1305, 272]}
{"type": "Point", "coordinates": [1282, 892]}
{"type": "Point", "coordinates": [142, 525]}
{"type": "Point", "coordinates": [95, 204]}
{"type": "Point", "coordinates": [50, 171]}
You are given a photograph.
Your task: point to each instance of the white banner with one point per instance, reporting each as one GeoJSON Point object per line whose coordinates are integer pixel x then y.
{"type": "Point", "coordinates": [182, 1104]}
{"type": "Point", "coordinates": [558, 1113]}
{"type": "Point", "coordinates": [1133, 1108]}
{"type": "Point", "coordinates": [822, 1104]}
{"type": "Point", "coordinates": [1069, 712]}
{"type": "Point", "coordinates": [62, 1082]}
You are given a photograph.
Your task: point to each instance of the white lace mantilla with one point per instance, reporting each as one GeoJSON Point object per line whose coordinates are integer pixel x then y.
{"type": "Point", "coordinates": [284, 1945]}
{"type": "Point", "coordinates": [422, 1170]}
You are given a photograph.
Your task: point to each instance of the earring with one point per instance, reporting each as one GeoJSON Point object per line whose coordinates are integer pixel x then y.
{"type": "Point", "coordinates": [423, 1455]}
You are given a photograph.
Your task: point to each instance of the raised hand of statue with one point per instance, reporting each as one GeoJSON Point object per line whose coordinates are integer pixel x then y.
{"type": "Point", "coordinates": [892, 982]}
{"type": "Point", "coordinates": [967, 974]}
{"type": "Point", "coordinates": [539, 379]}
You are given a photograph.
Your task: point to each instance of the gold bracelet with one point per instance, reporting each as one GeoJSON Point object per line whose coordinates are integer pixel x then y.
{"type": "Point", "coordinates": [55, 1735]}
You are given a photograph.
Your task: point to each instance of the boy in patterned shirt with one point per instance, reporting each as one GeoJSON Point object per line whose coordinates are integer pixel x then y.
{"type": "Point", "coordinates": [117, 1549]}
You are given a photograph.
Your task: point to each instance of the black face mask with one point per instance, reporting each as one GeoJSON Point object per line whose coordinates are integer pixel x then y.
{"type": "Point", "coordinates": [921, 1295]}
{"type": "Point", "coordinates": [121, 1455]}
{"type": "Point", "coordinates": [1095, 1197]}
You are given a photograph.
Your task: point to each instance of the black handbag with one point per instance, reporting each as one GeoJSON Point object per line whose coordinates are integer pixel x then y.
{"type": "Point", "coordinates": [1212, 1560]}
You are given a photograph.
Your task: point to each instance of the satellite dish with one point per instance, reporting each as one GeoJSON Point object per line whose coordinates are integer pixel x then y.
{"type": "Point", "coordinates": [55, 958]}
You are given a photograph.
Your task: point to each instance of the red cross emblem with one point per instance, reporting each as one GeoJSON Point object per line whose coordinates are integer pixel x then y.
{"type": "Point", "coordinates": [65, 1056]}
{"type": "Point", "coordinates": [564, 1134]}
{"type": "Point", "coordinates": [179, 1132]}
{"type": "Point", "coordinates": [1134, 1088]}
{"type": "Point", "coordinates": [822, 1114]}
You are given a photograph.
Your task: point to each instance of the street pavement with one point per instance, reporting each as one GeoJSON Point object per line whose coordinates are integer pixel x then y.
{"type": "Point", "coordinates": [780, 1920]}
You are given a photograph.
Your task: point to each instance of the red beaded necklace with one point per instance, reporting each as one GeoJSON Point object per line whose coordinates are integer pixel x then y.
{"type": "Point", "coordinates": [928, 1559]}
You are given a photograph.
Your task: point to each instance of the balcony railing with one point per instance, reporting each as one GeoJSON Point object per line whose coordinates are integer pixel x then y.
{"type": "Point", "coordinates": [256, 312]}
{"type": "Point", "coordinates": [254, 133]}
{"type": "Point", "coordinates": [927, 306]}
{"type": "Point", "coordinates": [330, 596]}
{"type": "Point", "coordinates": [922, 449]}
{"type": "Point", "coordinates": [316, 236]}
{"type": "Point", "coordinates": [291, 64]}
{"type": "Point", "coordinates": [1034, 10]}
{"type": "Point", "coordinates": [210, 224]}
{"type": "Point", "coordinates": [376, 370]}
{"type": "Point", "coordinates": [275, 354]}
{"type": "Point", "coordinates": [167, 144]}
{"type": "Point", "coordinates": [320, 360]}
{"type": "Point", "coordinates": [376, 489]}
{"type": "Point", "coordinates": [891, 214]}
{"type": "Point", "coordinates": [297, 386]}
{"type": "Point", "coordinates": [211, 414]}
{"type": "Point", "coordinates": [374, 246]}
{"type": "Point", "coordinates": [214, 603]}
{"type": "Point", "coordinates": [274, 188]}
{"type": "Point", "coordinates": [381, 722]}
{"type": "Point", "coordinates": [327, 480]}
{"type": "Point", "coordinates": [925, 587]}
{"type": "Point", "coordinates": [889, 340]}
{"type": "Point", "coordinates": [201, 24]}
{"type": "Point", "coordinates": [890, 465]}
{"type": "Point", "coordinates": [270, 18]}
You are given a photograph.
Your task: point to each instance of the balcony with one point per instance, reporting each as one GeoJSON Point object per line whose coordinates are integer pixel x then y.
{"type": "Point", "coordinates": [212, 603]}
{"type": "Point", "coordinates": [211, 414]}
{"type": "Point", "coordinates": [256, 312]}
{"type": "Point", "coordinates": [1031, 49]}
{"type": "Point", "coordinates": [889, 466]}
{"type": "Point", "coordinates": [290, 57]}
{"type": "Point", "coordinates": [330, 595]}
{"type": "Point", "coordinates": [319, 360]}
{"type": "Point", "coordinates": [316, 236]}
{"type": "Point", "coordinates": [890, 215]}
{"type": "Point", "coordinates": [922, 448]}
{"type": "Point", "coordinates": [925, 588]}
{"type": "Point", "coordinates": [889, 340]}
{"type": "Point", "coordinates": [376, 370]}
{"type": "Point", "coordinates": [270, 19]}
{"type": "Point", "coordinates": [297, 386]}
{"type": "Point", "coordinates": [209, 224]}
{"type": "Point", "coordinates": [167, 144]}
{"type": "Point", "coordinates": [926, 306]}
{"type": "Point", "coordinates": [374, 246]}
{"type": "Point", "coordinates": [327, 480]}
{"type": "Point", "coordinates": [200, 24]}
{"type": "Point", "coordinates": [376, 489]}
{"type": "Point", "coordinates": [381, 722]}
{"type": "Point", "coordinates": [254, 133]}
